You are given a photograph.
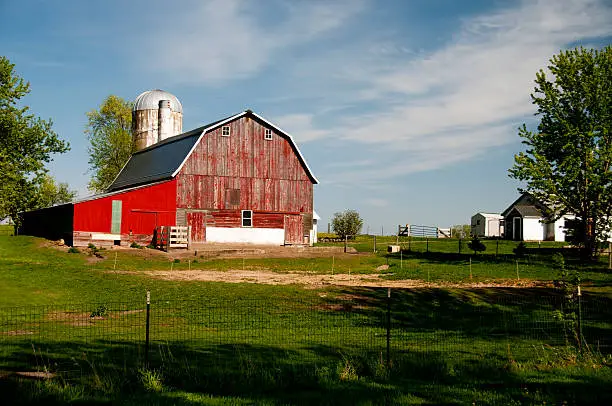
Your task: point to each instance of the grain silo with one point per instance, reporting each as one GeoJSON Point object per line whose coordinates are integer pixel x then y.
{"type": "Point", "coordinates": [157, 115]}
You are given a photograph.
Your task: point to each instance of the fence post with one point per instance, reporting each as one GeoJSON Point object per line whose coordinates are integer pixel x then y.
{"type": "Point", "coordinates": [459, 245]}
{"type": "Point", "coordinates": [147, 329]}
{"type": "Point", "coordinates": [496, 247]}
{"type": "Point", "coordinates": [375, 243]}
{"type": "Point", "coordinates": [345, 242]}
{"type": "Point", "coordinates": [579, 318]}
{"type": "Point", "coordinates": [388, 329]}
{"type": "Point", "coordinates": [427, 241]}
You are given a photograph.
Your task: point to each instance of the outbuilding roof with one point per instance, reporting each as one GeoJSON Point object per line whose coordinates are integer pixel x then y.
{"type": "Point", "coordinates": [165, 159]}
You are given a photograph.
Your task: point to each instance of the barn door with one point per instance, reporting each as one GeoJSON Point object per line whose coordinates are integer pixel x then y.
{"type": "Point", "coordinates": [116, 217]}
{"type": "Point", "coordinates": [197, 221]}
{"type": "Point", "coordinates": [294, 229]}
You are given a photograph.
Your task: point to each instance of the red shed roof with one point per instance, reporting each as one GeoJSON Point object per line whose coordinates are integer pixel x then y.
{"type": "Point", "coordinates": [165, 159]}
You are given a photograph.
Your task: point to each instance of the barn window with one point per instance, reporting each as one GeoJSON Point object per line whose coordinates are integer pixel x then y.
{"type": "Point", "coordinates": [268, 134]}
{"type": "Point", "coordinates": [477, 222]}
{"type": "Point", "coordinates": [247, 218]}
{"type": "Point", "coordinates": [232, 197]}
{"type": "Point", "coordinates": [225, 131]}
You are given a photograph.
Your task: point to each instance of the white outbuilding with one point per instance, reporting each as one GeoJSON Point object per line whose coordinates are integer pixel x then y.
{"type": "Point", "coordinates": [487, 224]}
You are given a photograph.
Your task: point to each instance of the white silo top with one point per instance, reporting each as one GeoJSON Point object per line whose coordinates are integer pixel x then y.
{"type": "Point", "coordinates": [149, 100]}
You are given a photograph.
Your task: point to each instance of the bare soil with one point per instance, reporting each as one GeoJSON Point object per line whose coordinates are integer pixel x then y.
{"type": "Point", "coordinates": [312, 280]}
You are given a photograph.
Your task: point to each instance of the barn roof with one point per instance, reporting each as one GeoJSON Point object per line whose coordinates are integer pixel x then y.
{"type": "Point", "coordinates": [165, 159]}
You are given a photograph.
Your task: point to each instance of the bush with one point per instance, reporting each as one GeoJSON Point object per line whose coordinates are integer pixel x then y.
{"type": "Point", "coordinates": [134, 244]}
{"type": "Point", "coordinates": [177, 261]}
{"type": "Point", "coordinates": [73, 250]}
{"type": "Point", "coordinates": [100, 311]}
{"type": "Point", "coordinates": [476, 245]}
{"type": "Point", "coordinates": [520, 250]}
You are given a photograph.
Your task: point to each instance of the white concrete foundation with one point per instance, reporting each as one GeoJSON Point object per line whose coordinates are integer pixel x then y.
{"type": "Point", "coordinates": [272, 236]}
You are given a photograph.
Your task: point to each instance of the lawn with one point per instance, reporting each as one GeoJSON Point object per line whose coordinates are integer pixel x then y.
{"type": "Point", "coordinates": [244, 343]}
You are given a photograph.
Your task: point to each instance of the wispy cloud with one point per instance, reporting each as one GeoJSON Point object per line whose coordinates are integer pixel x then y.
{"type": "Point", "coordinates": [427, 111]}
{"type": "Point", "coordinates": [222, 40]}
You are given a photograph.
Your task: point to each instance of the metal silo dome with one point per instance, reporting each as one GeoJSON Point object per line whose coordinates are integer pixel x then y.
{"type": "Point", "coordinates": [149, 100]}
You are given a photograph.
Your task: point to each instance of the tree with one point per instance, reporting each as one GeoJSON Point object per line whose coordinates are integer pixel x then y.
{"type": "Point", "coordinates": [110, 140]}
{"type": "Point", "coordinates": [476, 245]}
{"type": "Point", "coordinates": [26, 145]}
{"type": "Point", "coordinates": [567, 162]}
{"type": "Point", "coordinates": [461, 230]}
{"type": "Point", "coordinates": [347, 223]}
{"type": "Point", "coordinates": [50, 193]}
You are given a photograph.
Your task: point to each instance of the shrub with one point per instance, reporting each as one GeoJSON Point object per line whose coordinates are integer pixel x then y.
{"type": "Point", "coordinates": [177, 261]}
{"type": "Point", "coordinates": [520, 250]}
{"type": "Point", "coordinates": [476, 245]}
{"type": "Point", "coordinates": [91, 247]}
{"type": "Point", "coordinates": [134, 244]}
{"type": "Point", "coordinates": [73, 250]}
{"type": "Point", "coordinates": [151, 380]}
{"type": "Point", "coordinates": [100, 311]}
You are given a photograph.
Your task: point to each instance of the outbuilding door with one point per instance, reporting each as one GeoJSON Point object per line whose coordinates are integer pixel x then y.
{"type": "Point", "coordinates": [517, 229]}
{"type": "Point", "coordinates": [294, 229]}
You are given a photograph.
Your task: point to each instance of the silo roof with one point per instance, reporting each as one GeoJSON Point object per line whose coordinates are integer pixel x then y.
{"type": "Point", "coordinates": [149, 100]}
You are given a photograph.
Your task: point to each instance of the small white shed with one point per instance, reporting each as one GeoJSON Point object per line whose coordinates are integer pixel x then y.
{"type": "Point", "coordinates": [487, 224]}
{"type": "Point", "coordinates": [315, 227]}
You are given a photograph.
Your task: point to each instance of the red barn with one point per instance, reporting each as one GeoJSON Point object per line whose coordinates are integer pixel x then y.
{"type": "Point", "coordinates": [237, 180]}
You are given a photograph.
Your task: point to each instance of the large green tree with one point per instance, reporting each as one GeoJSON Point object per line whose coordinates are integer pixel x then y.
{"type": "Point", "coordinates": [110, 140]}
{"type": "Point", "coordinates": [27, 143]}
{"type": "Point", "coordinates": [567, 161]}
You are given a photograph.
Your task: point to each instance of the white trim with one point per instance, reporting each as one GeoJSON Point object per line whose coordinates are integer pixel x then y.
{"type": "Point", "coordinates": [229, 131]}
{"type": "Point", "coordinates": [105, 236]}
{"type": "Point", "coordinates": [237, 116]}
{"type": "Point", "coordinates": [268, 134]}
{"type": "Point", "coordinates": [242, 218]}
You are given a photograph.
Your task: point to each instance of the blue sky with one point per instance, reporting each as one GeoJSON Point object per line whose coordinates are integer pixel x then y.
{"type": "Point", "coordinates": [406, 111]}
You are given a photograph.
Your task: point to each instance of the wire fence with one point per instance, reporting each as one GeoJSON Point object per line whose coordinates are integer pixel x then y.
{"type": "Point", "coordinates": [427, 336]}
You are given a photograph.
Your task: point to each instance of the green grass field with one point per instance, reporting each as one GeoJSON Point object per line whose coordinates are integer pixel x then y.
{"type": "Point", "coordinates": [221, 343]}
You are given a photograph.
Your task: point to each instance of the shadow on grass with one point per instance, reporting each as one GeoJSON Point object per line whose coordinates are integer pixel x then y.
{"type": "Point", "coordinates": [484, 346]}
{"type": "Point", "coordinates": [107, 373]}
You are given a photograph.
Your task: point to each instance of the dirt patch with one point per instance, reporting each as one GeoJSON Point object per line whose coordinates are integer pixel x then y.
{"type": "Point", "coordinates": [217, 250]}
{"type": "Point", "coordinates": [318, 280]}
{"type": "Point", "coordinates": [16, 333]}
{"type": "Point", "coordinates": [81, 319]}
{"type": "Point", "coordinates": [27, 374]}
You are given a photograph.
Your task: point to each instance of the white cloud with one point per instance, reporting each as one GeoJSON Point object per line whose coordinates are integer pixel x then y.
{"type": "Point", "coordinates": [217, 41]}
{"type": "Point", "coordinates": [300, 126]}
{"type": "Point", "coordinates": [453, 104]}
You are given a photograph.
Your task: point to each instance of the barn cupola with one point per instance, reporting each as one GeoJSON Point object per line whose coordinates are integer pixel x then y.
{"type": "Point", "coordinates": [157, 115]}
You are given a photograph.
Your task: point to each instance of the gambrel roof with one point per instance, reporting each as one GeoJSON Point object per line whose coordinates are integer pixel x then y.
{"type": "Point", "coordinates": [165, 159]}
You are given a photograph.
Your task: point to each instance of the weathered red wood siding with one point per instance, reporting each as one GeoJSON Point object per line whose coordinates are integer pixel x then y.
{"type": "Point", "coordinates": [271, 179]}
{"type": "Point", "coordinates": [142, 209]}
{"type": "Point", "coordinates": [294, 229]}
{"type": "Point", "coordinates": [267, 172]}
